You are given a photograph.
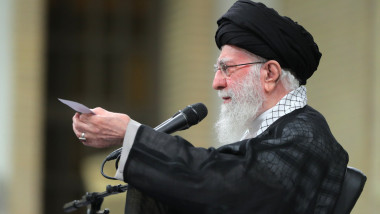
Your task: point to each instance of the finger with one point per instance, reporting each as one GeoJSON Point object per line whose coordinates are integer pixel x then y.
{"type": "Point", "coordinates": [75, 124]}
{"type": "Point", "coordinates": [76, 131]}
{"type": "Point", "coordinates": [83, 137]}
{"type": "Point", "coordinates": [79, 126]}
{"type": "Point", "coordinates": [99, 110]}
{"type": "Point", "coordinates": [84, 117]}
{"type": "Point", "coordinates": [75, 117]}
{"type": "Point", "coordinates": [79, 134]}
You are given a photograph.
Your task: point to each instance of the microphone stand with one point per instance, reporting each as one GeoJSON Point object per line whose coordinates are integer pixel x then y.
{"type": "Point", "coordinates": [94, 200]}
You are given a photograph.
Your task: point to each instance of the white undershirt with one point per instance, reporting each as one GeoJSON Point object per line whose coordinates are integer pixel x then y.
{"type": "Point", "coordinates": [255, 126]}
{"type": "Point", "coordinates": [293, 100]}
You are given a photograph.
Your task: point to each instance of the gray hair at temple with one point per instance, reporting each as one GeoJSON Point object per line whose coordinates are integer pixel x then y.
{"type": "Point", "coordinates": [287, 77]}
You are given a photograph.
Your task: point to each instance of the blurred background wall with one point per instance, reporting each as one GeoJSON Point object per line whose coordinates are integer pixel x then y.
{"type": "Point", "coordinates": [149, 59]}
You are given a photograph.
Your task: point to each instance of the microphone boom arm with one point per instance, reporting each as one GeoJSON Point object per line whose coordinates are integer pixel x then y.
{"type": "Point", "coordinates": [94, 200]}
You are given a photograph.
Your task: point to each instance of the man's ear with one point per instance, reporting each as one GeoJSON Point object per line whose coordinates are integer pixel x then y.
{"type": "Point", "coordinates": [271, 75]}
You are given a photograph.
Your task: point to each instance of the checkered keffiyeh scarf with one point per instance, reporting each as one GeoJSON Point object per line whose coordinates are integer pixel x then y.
{"type": "Point", "coordinates": [293, 100]}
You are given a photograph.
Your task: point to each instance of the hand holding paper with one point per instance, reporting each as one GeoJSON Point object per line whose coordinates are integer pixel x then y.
{"type": "Point", "coordinates": [98, 127]}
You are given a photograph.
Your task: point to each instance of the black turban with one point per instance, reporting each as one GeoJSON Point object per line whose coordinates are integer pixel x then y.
{"type": "Point", "coordinates": [262, 31]}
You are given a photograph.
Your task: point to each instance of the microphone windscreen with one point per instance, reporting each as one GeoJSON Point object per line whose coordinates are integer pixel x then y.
{"type": "Point", "coordinates": [195, 113]}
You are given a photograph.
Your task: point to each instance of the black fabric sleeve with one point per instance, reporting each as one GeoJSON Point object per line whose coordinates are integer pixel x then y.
{"type": "Point", "coordinates": [206, 180]}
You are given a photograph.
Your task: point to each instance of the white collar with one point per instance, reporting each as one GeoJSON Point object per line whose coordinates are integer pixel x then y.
{"type": "Point", "coordinates": [293, 100]}
{"type": "Point", "coordinates": [255, 126]}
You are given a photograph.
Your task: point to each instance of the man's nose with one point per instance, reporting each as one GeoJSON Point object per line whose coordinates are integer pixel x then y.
{"type": "Point", "coordinates": [219, 82]}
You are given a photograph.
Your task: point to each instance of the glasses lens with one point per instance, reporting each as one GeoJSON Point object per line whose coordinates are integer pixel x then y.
{"type": "Point", "coordinates": [224, 69]}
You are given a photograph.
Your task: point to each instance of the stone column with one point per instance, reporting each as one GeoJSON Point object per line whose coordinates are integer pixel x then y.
{"type": "Point", "coordinates": [27, 103]}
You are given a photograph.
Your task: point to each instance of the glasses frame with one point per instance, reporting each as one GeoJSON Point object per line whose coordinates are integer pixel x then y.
{"type": "Point", "coordinates": [224, 68]}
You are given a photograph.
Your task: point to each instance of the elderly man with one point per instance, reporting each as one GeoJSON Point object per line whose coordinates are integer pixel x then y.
{"type": "Point", "coordinates": [277, 155]}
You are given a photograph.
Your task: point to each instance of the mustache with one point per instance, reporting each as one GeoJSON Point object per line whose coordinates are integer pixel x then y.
{"type": "Point", "coordinates": [226, 93]}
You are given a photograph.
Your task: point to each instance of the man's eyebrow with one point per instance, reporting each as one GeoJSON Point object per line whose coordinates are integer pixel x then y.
{"type": "Point", "coordinates": [223, 60]}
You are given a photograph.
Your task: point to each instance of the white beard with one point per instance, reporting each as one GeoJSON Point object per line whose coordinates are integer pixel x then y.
{"type": "Point", "coordinates": [236, 116]}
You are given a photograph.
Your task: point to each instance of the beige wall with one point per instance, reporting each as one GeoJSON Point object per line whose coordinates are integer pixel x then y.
{"type": "Point", "coordinates": [187, 58]}
{"type": "Point", "coordinates": [374, 164]}
{"type": "Point", "coordinates": [345, 87]}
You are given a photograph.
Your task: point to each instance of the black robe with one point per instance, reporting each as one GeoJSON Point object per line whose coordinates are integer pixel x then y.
{"type": "Point", "coordinates": [294, 166]}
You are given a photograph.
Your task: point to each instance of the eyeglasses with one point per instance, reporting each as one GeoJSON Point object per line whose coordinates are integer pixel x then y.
{"type": "Point", "coordinates": [224, 68]}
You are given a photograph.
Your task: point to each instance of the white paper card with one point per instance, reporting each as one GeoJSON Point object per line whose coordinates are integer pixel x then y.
{"type": "Point", "coordinates": [77, 106]}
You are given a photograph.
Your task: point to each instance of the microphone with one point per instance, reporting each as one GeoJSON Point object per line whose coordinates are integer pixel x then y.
{"type": "Point", "coordinates": [183, 119]}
